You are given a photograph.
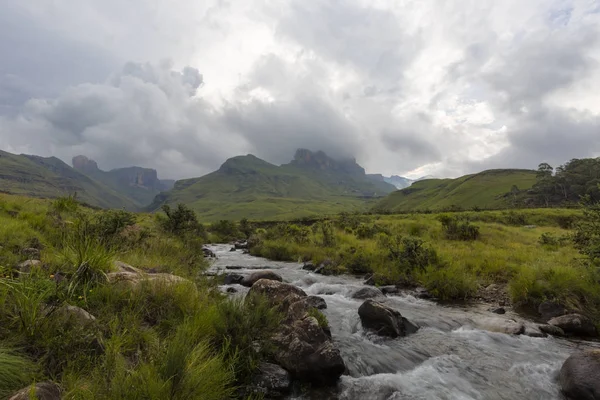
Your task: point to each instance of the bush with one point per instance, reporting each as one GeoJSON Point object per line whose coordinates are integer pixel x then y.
{"type": "Point", "coordinates": [16, 372]}
{"type": "Point", "coordinates": [548, 239]}
{"type": "Point", "coordinates": [66, 204]}
{"type": "Point", "coordinates": [587, 231]}
{"type": "Point", "coordinates": [515, 218]}
{"type": "Point", "coordinates": [455, 229]}
{"type": "Point", "coordinates": [326, 233]}
{"type": "Point", "coordinates": [225, 229]}
{"type": "Point", "coordinates": [448, 282]}
{"type": "Point", "coordinates": [319, 316]}
{"type": "Point", "coordinates": [181, 221]}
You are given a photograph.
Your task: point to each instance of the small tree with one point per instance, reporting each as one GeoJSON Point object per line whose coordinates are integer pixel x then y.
{"type": "Point", "coordinates": [587, 231]}
{"type": "Point", "coordinates": [181, 220]}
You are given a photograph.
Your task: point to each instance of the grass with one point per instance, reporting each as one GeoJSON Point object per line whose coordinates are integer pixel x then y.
{"type": "Point", "coordinates": [182, 340]}
{"type": "Point", "coordinates": [415, 249]}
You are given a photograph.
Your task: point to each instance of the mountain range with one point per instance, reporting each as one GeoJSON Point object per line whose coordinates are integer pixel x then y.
{"type": "Point", "coordinates": [312, 183]}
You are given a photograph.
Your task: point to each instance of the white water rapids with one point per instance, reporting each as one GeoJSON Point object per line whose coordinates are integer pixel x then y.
{"type": "Point", "coordinates": [449, 358]}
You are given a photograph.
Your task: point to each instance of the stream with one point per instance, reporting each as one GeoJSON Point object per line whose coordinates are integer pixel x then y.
{"type": "Point", "coordinates": [449, 358]}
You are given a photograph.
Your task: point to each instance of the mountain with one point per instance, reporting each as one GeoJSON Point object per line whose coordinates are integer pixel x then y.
{"type": "Point", "coordinates": [139, 184]}
{"type": "Point", "coordinates": [489, 189]}
{"type": "Point", "coordinates": [399, 182]}
{"type": "Point", "coordinates": [49, 177]}
{"type": "Point", "coordinates": [246, 186]}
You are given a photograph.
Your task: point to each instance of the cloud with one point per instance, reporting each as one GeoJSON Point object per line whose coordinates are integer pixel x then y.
{"type": "Point", "coordinates": [408, 87]}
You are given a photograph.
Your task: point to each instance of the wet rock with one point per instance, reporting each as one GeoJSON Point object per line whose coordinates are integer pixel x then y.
{"type": "Point", "coordinates": [231, 290]}
{"type": "Point", "coordinates": [390, 289]}
{"type": "Point", "coordinates": [500, 325]}
{"type": "Point", "coordinates": [384, 320]}
{"type": "Point", "coordinates": [42, 391]}
{"type": "Point", "coordinates": [367, 292]}
{"type": "Point", "coordinates": [249, 280]}
{"type": "Point", "coordinates": [31, 253]}
{"type": "Point", "coordinates": [271, 381]}
{"type": "Point", "coordinates": [240, 245]}
{"type": "Point", "coordinates": [551, 309]}
{"type": "Point", "coordinates": [26, 266]}
{"type": "Point", "coordinates": [275, 292]}
{"type": "Point", "coordinates": [498, 310]}
{"type": "Point", "coordinates": [301, 345]}
{"type": "Point", "coordinates": [232, 249]}
{"type": "Point", "coordinates": [230, 279]}
{"type": "Point", "coordinates": [551, 330]}
{"type": "Point", "coordinates": [533, 331]}
{"type": "Point", "coordinates": [422, 293]}
{"type": "Point", "coordinates": [234, 267]}
{"type": "Point", "coordinates": [309, 267]}
{"type": "Point", "coordinates": [575, 324]}
{"type": "Point", "coordinates": [316, 302]}
{"type": "Point", "coordinates": [579, 374]}
{"type": "Point", "coordinates": [369, 280]}
{"type": "Point", "coordinates": [208, 253]}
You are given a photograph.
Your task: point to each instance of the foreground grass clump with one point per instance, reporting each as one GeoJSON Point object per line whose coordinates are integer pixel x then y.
{"type": "Point", "coordinates": [529, 253]}
{"type": "Point", "coordinates": [62, 320]}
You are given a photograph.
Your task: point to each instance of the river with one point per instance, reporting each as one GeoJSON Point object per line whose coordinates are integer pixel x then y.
{"type": "Point", "coordinates": [449, 358]}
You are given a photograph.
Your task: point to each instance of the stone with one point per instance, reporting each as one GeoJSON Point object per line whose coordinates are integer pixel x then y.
{"type": "Point", "coordinates": [498, 310]}
{"type": "Point", "coordinates": [31, 253]}
{"type": "Point", "coordinates": [309, 267]}
{"type": "Point", "coordinates": [500, 325]}
{"type": "Point", "coordinates": [384, 320]}
{"type": "Point", "coordinates": [575, 324]}
{"type": "Point", "coordinates": [579, 376]}
{"type": "Point", "coordinates": [26, 266]}
{"type": "Point", "coordinates": [367, 292]}
{"type": "Point", "coordinates": [271, 381]}
{"type": "Point", "coordinates": [230, 279]}
{"type": "Point", "coordinates": [208, 253]}
{"type": "Point", "coordinates": [533, 331]}
{"type": "Point", "coordinates": [422, 293]}
{"type": "Point", "coordinates": [369, 280]}
{"type": "Point", "coordinates": [231, 290]}
{"type": "Point", "coordinates": [390, 289]}
{"type": "Point", "coordinates": [75, 314]}
{"type": "Point", "coordinates": [249, 280]}
{"type": "Point", "coordinates": [316, 302]}
{"type": "Point", "coordinates": [135, 279]}
{"type": "Point", "coordinates": [551, 330]}
{"type": "Point", "coordinates": [551, 309]}
{"type": "Point", "coordinates": [240, 245]}
{"type": "Point", "coordinates": [123, 267]}
{"type": "Point", "coordinates": [275, 292]}
{"type": "Point", "coordinates": [43, 391]}
{"type": "Point", "coordinates": [232, 249]}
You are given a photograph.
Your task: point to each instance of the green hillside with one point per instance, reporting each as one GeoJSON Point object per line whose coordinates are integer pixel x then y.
{"type": "Point", "coordinates": [248, 187]}
{"type": "Point", "coordinates": [486, 190]}
{"type": "Point", "coordinates": [50, 177]}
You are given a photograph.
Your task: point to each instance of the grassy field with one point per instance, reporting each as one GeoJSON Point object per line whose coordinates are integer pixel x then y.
{"type": "Point", "coordinates": [529, 253]}
{"type": "Point", "coordinates": [485, 190]}
{"type": "Point", "coordinates": [158, 339]}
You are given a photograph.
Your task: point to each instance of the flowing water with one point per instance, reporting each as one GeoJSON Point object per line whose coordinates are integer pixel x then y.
{"type": "Point", "coordinates": [449, 358]}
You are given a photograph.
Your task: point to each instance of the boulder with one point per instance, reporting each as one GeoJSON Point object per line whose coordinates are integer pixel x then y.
{"type": "Point", "coordinates": [309, 267]}
{"type": "Point", "coordinates": [500, 325]}
{"type": "Point", "coordinates": [231, 290]}
{"type": "Point", "coordinates": [384, 320]}
{"type": "Point", "coordinates": [135, 279]}
{"type": "Point", "coordinates": [422, 293]}
{"type": "Point", "coordinates": [301, 345]}
{"type": "Point", "coordinates": [75, 314]}
{"type": "Point", "coordinates": [367, 292]}
{"type": "Point", "coordinates": [26, 266]}
{"type": "Point", "coordinates": [369, 280]}
{"type": "Point", "coordinates": [31, 253]}
{"type": "Point", "coordinates": [271, 381]}
{"type": "Point", "coordinates": [208, 253]}
{"type": "Point", "coordinates": [498, 310]}
{"type": "Point", "coordinates": [232, 249]}
{"type": "Point", "coordinates": [251, 279]}
{"type": "Point", "coordinates": [579, 376]}
{"type": "Point", "coordinates": [551, 309]}
{"type": "Point", "coordinates": [551, 330]}
{"type": "Point", "coordinates": [240, 245]}
{"type": "Point", "coordinates": [230, 279]}
{"type": "Point", "coordinates": [390, 289]}
{"type": "Point", "coordinates": [575, 324]}
{"type": "Point", "coordinates": [123, 267]}
{"type": "Point", "coordinates": [316, 302]}
{"type": "Point", "coordinates": [43, 391]}
{"type": "Point", "coordinates": [533, 331]}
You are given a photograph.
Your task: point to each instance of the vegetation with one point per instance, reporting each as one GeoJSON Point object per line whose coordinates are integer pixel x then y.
{"type": "Point", "coordinates": [248, 187]}
{"type": "Point", "coordinates": [492, 189]}
{"type": "Point", "coordinates": [534, 255]}
{"type": "Point", "coordinates": [149, 340]}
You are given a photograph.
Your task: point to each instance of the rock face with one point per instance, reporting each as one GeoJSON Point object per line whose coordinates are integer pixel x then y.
{"type": "Point", "coordinates": [550, 309]}
{"type": "Point", "coordinates": [579, 376]}
{"type": "Point", "coordinates": [367, 292]}
{"type": "Point", "coordinates": [575, 324]}
{"type": "Point", "coordinates": [384, 320]}
{"type": "Point", "coordinates": [256, 276]}
{"type": "Point", "coordinates": [302, 346]}
{"type": "Point", "coordinates": [271, 381]}
{"type": "Point", "coordinates": [43, 391]}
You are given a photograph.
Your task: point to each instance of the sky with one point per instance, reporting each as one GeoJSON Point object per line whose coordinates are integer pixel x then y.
{"type": "Point", "coordinates": [407, 87]}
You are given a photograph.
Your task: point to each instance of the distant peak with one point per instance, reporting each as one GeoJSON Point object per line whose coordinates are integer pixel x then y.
{"type": "Point", "coordinates": [82, 163]}
{"type": "Point", "coordinates": [320, 160]}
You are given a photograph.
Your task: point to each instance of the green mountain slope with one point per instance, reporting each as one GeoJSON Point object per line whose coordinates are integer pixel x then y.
{"type": "Point", "coordinates": [486, 190]}
{"type": "Point", "coordinates": [248, 187]}
{"type": "Point", "coordinates": [138, 184]}
{"type": "Point", "coordinates": [50, 177]}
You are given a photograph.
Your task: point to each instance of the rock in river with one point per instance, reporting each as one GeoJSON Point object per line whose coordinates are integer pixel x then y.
{"type": "Point", "coordinates": [367, 292]}
{"type": "Point", "coordinates": [256, 276]}
{"type": "Point", "coordinates": [575, 324]}
{"type": "Point", "coordinates": [580, 376]}
{"type": "Point", "coordinates": [384, 320]}
{"type": "Point", "coordinates": [42, 391]}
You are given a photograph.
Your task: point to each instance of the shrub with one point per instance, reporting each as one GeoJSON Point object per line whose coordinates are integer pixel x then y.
{"type": "Point", "coordinates": [408, 254]}
{"type": "Point", "coordinates": [246, 227]}
{"type": "Point", "coordinates": [368, 231]}
{"type": "Point", "coordinates": [225, 229]}
{"type": "Point", "coordinates": [548, 239]}
{"type": "Point", "coordinates": [587, 231]}
{"type": "Point", "coordinates": [515, 218]}
{"type": "Point", "coordinates": [181, 221]}
{"type": "Point", "coordinates": [66, 204]}
{"type": "Point", "coordinates": [448, 282]}
{"type": "Point", "coordinates": [455, 229]}
{"type": "Point", "coordinates": [326, 233]}
{"type": "Point", "coordinates": [16, 372]}
{"type": "Point", "coordinates": [319, 316]}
